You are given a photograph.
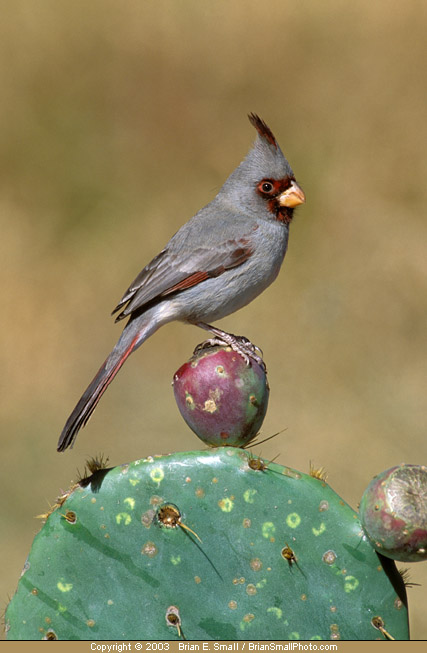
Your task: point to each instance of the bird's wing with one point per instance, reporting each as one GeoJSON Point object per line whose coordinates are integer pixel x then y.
{"type": "Point", "coordinates": [172, 271]}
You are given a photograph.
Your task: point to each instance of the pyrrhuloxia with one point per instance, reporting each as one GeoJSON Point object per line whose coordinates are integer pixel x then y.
{"type": "Point", "coordinates": [218, 262]}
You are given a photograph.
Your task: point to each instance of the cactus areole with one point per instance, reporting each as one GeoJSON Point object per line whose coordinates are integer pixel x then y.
{"type": "Point", "coordinates": [221, 397]}
{"type": "Point", "coordinates": [393, 512]}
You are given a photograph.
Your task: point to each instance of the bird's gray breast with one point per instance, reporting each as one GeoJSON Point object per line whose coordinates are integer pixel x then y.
{"type": "Point", "coordinates": [219, 296]}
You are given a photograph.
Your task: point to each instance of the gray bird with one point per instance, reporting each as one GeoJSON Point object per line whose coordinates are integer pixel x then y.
{"type": "Point", "coordinates": [218, 262]}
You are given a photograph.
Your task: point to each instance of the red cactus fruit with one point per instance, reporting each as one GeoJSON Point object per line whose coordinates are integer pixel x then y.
{"type": "Point", "coordinates": [222, 399]}
{"type": "Point", "coordinates": [393, 513]}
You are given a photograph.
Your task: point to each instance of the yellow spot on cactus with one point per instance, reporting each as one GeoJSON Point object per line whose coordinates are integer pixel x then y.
{"type": "Point", "coordinates": [293, 520]}
{"type": "Point", "coordinates": [251, 589]}
{"type": "Point", "coordinates": [155, 500]}
{"type": "Point", "coordinates": [232, 605]}
{"type": "Point", "coordinates": [123, 517]}
{"type": "Point", "coordinates": [287, 471]}
{"type": "Point", "coordinates": [226, 505]}
{"type": "Point", "coordinates": [214, 480]}
{"type": "Point", "coordinates": [175, 560]}
{"type": "Point", "coordinates": [130, 501]}
{"type": "Point", "coordinates": [110, 602]}
{"type": "Point", "coordinates": [197, 579]}
{"type": "Point", "coordinates": [303, 597]}
{"type": "Point", "coordinates": [149, 549]}
{"type": "Point", "coordinates": [189, 401]}
{"type": "Point", "coordinates": [268, 529]}
{"type": "Point", "coordinates": [157, 474]}
{"type": "Point", "coordinates": [210, 406]}
{"type": "Point", "coordinates": [329, 557]}
{"type": "Point", "coordinates": [246, 620]}
{"type": "Point", "coordinates": [320, 530]}
{"type": "Point", "coordinates": [90, 623]}
{"type": "Point", "coordinates": [200, 493]}
{"type": "Point", "coordinates": [277, 611]}
{"type": "Point", "coordinates": [212, 403]}
{"type": "Point", "coordinates": [249, 495]}
{"type": "Point", "coordinates": [351, 583]}
{"type": "Point", "coordinates": [134, 481]}
{"type": "Point", "coordinates": [93, 500]}
{"type": "Point", "coordinates": [256, 564]}
{"type": "Point", "coordinates": [64, 587]}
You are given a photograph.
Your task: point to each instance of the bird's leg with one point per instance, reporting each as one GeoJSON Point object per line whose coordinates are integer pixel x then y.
{"type": "Point", "coordinates": [239, 344]}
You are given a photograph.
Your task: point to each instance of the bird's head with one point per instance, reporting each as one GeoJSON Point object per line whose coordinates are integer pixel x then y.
{"type": "Point", "coordinates": [264, 183]}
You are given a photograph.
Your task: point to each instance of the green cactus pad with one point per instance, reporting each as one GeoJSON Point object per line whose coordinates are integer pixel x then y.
{"type": "Point", "coordinates": [205, 545]}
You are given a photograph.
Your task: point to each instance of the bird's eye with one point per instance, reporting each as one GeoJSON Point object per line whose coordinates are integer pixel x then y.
{"type": "Point", "coordinates": [266, 186]}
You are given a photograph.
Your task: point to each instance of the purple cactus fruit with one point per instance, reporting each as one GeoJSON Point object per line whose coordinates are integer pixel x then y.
{"type": "Point", "coordinates": [393, 513]}
{"type": "Point", "coordinates": [222, 399]}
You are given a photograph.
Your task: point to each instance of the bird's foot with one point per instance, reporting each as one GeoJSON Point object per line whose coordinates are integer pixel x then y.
{"type": "Point", "coordinates": [241, 345]}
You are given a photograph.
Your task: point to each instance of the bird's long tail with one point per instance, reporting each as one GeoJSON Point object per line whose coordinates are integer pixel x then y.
{"type": "Point", "coordinates": [132, 337]}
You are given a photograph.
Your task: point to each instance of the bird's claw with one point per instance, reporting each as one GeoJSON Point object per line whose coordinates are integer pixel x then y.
{"type": "Point", "coordinates": [241, 345]}
{"type": "Point", "coordinates": [210, 342]}
{"type": "Point", "coordinates": [247, 343]}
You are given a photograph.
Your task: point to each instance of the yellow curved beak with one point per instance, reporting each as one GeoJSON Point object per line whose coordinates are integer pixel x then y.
{"type": "Point", "coordinates": [292, 196]}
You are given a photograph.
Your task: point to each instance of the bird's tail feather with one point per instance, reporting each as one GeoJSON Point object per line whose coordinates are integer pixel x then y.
{"type": "Point", "coordinates": [89, 400]}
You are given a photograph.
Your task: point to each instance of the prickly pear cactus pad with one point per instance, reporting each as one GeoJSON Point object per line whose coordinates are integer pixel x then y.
{"type": "Point", "coordinates": [205, 545]}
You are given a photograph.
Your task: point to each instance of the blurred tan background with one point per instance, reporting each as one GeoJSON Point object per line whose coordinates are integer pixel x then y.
{"type": "Point", "coordinates": [118, 121]}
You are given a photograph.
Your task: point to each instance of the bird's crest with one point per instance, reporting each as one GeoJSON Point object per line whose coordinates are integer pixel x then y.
{"type": "Point", "coordinates": [262, 128]}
